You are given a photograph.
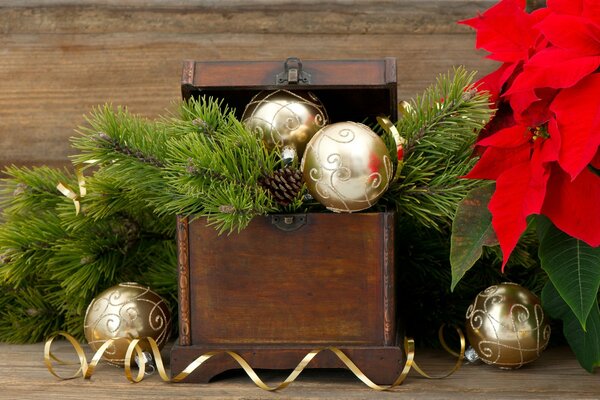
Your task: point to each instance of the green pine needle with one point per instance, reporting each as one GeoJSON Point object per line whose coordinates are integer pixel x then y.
{"type": "Point", "coordinates": [440, 131]}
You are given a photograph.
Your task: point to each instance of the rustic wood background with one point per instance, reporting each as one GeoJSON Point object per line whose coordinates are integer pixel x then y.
{"type": "Point", "coordinates": [59, 58]}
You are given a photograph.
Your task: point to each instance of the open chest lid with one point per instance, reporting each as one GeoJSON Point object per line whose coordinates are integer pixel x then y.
{"type": "Point", "coordinates": [351, 90]}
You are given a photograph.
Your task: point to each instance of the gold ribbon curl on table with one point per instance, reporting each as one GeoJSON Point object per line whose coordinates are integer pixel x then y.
{"type": "Point", "coordinates": [86, 370]}
{"type": "Point", "coordinates": [68, 192]}
{"type": "Point", "coordinates": [391, 129]}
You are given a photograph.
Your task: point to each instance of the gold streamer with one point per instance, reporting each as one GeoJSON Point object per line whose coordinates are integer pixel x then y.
{"type": "Point", "coordinates": [391, 129]}
{"type": "Point", "coordinates": [405, 108]}
{"type": "Point", "coordinates": [460, 356]}
{"type": "Point", "coordinates": [67, 192]}
{"type": "Point", "coordinates": [87, 369]}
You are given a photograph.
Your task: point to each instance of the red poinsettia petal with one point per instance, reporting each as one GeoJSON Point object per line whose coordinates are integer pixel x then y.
{"type": "Point", "coordinates": [494, 82]}
{"type": "Point", "coordinates": [552, 145]}
{"type": "Point", "coordinates": [503, 118]}
{"type": "Point", "coordinates": [495, 161]}
{"type": "Point", "coordinates": [586, 8]}
{"type": "Point", "coordinates": [519, 193]}
{"type": "Point", "coordinates": [572, 32]}
{"type": "Point", "coordinates": [545, 152]}
{"type": "Point", "coordinates": [596, 160]}
{"type": "Point", "coordinates": [555, 68]}
{"type": "Point", "coordinates": [550, 68]}
{"type": "Point", "coordinates": [506, 206]}
{"type": "Point", "coordinates": [591, 10]}
{"type": "Point", "coordinates": [573, 206]}
{"type": "Point", "coordinates": [511, 137]}
{"type": "Point", "coordinates": [505, 30]}
{"type": "Point", "coordinates": [572, 7]}
{"type": "Point", "coordinates": [539, 173]}
{"type": "Point", "coordinates": [521, 101]}
{"type": "Point", "coordinates": [577, 111]}
{"type": "Point", "coordinates": [538, 112]}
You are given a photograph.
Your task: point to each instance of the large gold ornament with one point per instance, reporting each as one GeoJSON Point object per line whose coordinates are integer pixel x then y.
{"type": "Point", "coordinates": [285, 119]}
{"type": "Point", "coordinates": [506, 326]}
{"type": "Point", "coordinates": [128, 311]}
{"type": "Point", "coordinates": [346, 167]}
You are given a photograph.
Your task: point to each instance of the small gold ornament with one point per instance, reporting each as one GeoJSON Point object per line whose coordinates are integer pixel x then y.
{"type": "Point", "coordinates": [129, 311]}
{"type": "Point", "coordinates": [346, 167]}
{"type": "Point", "coordinates": [285, 119]}
{"type": "Point", "coordinates": [506, 326]}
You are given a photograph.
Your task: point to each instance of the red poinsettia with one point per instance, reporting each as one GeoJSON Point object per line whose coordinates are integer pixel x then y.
{"type": "Point", "coordinates": [542, 147]}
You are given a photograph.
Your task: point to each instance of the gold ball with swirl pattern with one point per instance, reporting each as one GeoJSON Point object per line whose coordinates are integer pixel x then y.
{"type": "Point", "coordinates": [346, 167]}
{"type": "Point", "coordinates": [128, 311]}
{"type": "Point", "coordinates": [285, 119]}
{"type": "Point", "coordinates": [506, 326]}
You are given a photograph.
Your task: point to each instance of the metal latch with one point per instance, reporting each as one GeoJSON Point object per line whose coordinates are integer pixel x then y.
{"type": "Point", "coordinates": [292, 73]}
{"type": "Point", "coordinates": [289, 222]}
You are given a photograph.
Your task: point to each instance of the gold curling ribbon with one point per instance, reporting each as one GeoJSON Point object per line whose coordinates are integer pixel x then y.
{"type": "Point", "coordinates": [87, 369]}
{"type": "Point", "coordinates": [391, 129]}
{"type": "Point", "coordinates": [459, 356]}
{"type": "Point", "coordinates": [405, 108]}
{"type": "Point", "coordinates": [67, 192]}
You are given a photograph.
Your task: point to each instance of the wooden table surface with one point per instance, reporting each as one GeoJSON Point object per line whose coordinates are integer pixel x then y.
{"type": "Point", "coordinates": [556, 375]}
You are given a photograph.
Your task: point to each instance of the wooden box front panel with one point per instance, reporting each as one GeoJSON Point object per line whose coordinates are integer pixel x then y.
{"type": "Point", "coordinates": [329, 282]}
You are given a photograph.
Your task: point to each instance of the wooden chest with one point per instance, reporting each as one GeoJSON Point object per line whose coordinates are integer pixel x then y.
{"type": "Point", "coordinates": [290, 283]}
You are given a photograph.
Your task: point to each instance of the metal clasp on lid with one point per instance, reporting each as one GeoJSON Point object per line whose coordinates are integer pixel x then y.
{"type": "Point", "coordinates": [288, 222]}
{"type": "Point", "coordinates": [292, 73]}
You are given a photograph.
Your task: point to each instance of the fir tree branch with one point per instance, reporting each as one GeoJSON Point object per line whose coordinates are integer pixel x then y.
{"type": "Point", "coordinates": [440, 131]}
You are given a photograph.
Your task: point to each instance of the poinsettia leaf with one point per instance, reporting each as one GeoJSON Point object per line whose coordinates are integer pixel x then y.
{"type": "Point", "coordinates": [471, 229]}
{"type": "Point", "coordinates": [572, 267]}
{"type": "Point", "coordinates": [585, 344]}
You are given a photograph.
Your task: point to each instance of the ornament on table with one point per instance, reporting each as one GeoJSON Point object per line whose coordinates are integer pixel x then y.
{"type": "Point", "coordinates": [506, 326]}
{"type": "Point", "coordinates": [285, 119]}
{"type": "Point", "coordinates": [127, 311]}
{"type": "Point", "coordinates": [346, 167]}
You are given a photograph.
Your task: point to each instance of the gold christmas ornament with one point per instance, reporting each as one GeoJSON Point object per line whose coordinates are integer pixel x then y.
{"type": "Point", "coordinates": [506, 326]}
{"type": "Point", "coordinates": [346, 167]}
{"type": "Point", "coordinates": [128, 311]}
{"type": "Point", "coordinates": [285, 119]}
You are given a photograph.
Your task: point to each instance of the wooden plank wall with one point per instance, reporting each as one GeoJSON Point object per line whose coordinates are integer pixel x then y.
{"type": "Point", "coordinates": [59, 58]}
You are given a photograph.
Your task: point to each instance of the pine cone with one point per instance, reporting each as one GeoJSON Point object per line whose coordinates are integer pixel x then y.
{"type": "Point", "coordinates": [283, 184]}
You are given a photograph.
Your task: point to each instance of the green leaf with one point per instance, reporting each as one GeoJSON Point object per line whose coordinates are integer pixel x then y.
{"type": "Point", "coordinates": [585, 344]}
{"type": "Point", "coordinates": [573, 267]}
{"type": "Point", "coordinates": [471, 230]}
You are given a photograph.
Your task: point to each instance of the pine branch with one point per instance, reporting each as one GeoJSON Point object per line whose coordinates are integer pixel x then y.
{"type": "Point", "coordinates": [26, 191]}
{"type": "Point", "coordinates": [53, 262]}
{"type": "Point", "coordinates": [114, 135]}
{"type": "Point", "coordinates": [25, 314]}
{"type": "Point", "coordinates": [439, 130]}
{"type": "Point", "coordinates": [216, 174]}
